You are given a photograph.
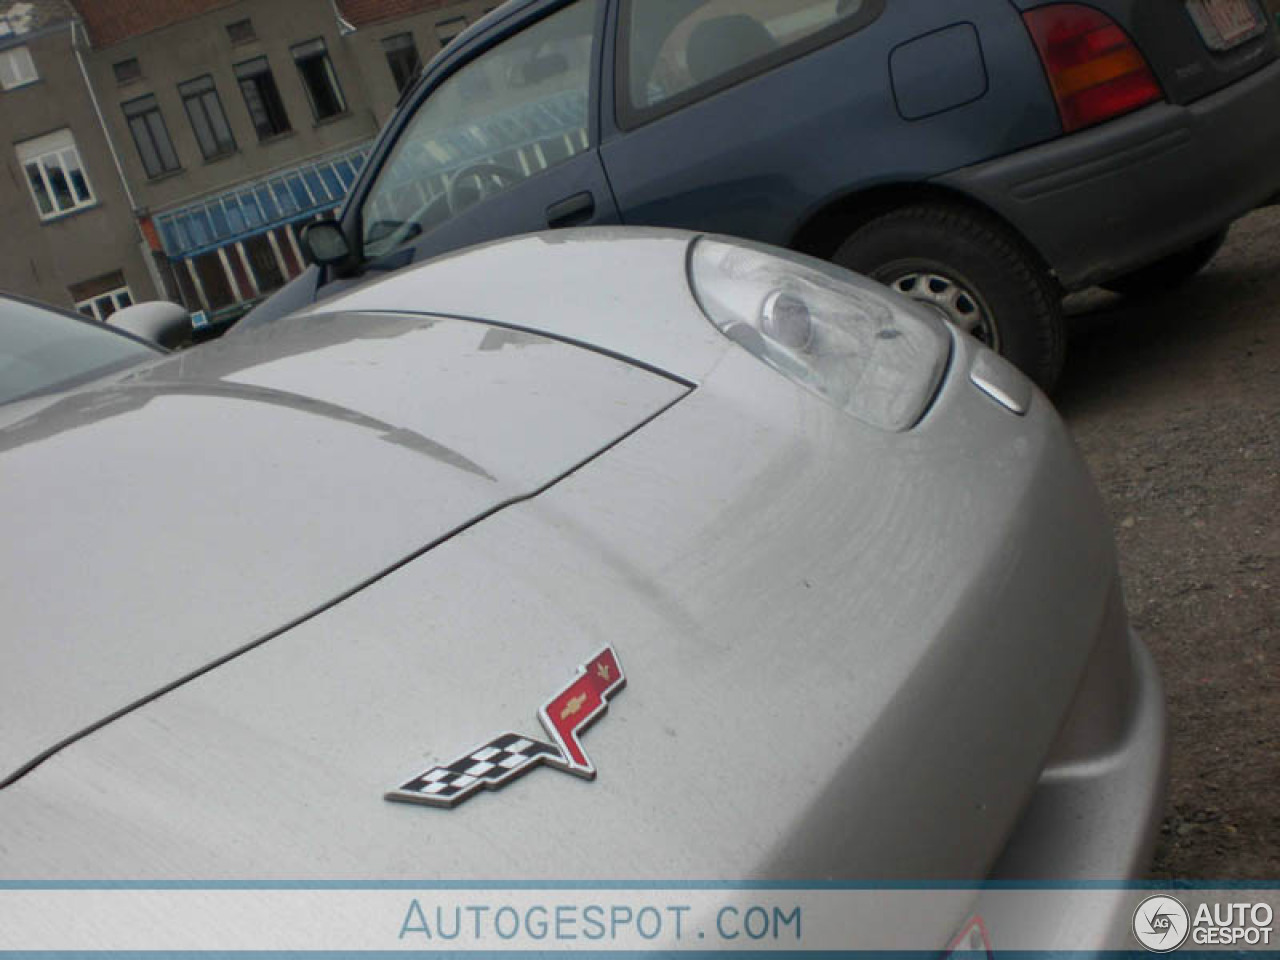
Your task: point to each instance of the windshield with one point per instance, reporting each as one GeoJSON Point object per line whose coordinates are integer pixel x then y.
{"type": "Point", "coordinates": [42, 351]}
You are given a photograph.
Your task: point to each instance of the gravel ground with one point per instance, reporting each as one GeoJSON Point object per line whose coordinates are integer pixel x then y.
{"type": "Point", "coordinates": [1175, 401]}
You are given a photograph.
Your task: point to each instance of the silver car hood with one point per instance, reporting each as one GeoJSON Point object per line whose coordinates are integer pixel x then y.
{"type": "Point", "coordinates": [848, 652]}
{"type": "Point", "coordinates": [798, 706]}
{"type": "Point", "coordinates": [240, 487]}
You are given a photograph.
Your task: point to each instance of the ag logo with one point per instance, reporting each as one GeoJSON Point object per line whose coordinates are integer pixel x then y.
{"type": "Point", "coordinates": [1161, 923]}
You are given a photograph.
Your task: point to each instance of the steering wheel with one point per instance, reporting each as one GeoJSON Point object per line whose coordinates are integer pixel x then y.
{"type": "Point", "coordinates": [489, 179]}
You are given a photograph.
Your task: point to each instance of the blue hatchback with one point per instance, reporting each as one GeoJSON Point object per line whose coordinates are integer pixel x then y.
{"type": "Point", "coordinates": [982, 156]}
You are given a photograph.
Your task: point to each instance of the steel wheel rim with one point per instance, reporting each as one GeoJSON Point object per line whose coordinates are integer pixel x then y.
{"type": "Point", "coordinates": [951, 300]}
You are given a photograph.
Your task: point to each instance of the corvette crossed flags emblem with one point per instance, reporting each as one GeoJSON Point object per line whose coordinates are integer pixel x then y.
{"type": "Point", "coordinates": [496, 763]}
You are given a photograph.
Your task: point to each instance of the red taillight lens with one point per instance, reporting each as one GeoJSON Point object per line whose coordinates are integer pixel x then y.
{"type": "Point", "coordinates": [1095, 70]}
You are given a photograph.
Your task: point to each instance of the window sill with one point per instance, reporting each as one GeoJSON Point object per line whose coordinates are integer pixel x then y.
{"type": "Point", "coordinates": [67, 214]}
{"type": "Point", "coordinates": [282, 135]}
{"type": "Point", "coordinates": [167, 175]}
{"type": "Point", "coordinates": [219, 157]}
{"type": "Point", "coordinates": [336, 118]}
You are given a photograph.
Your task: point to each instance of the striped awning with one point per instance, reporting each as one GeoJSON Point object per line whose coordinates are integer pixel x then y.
{"type": "Point", "coordinates": [248, 209]}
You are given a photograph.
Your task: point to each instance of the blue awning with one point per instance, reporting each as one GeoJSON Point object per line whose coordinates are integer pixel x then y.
{"type": "Point", "coordinates": [316, 186]}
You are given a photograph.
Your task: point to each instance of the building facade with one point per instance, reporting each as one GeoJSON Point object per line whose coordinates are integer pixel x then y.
{"type": "Point", "coordinates": [207, 133]}
{"type": "Point", "coordinates": [69, 235]}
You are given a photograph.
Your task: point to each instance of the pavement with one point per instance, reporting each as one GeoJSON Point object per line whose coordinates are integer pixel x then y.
{"type": "Point", "coordinates": [1175, 402]}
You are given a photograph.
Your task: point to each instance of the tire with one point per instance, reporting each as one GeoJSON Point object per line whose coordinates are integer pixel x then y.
{"type": "Point", "coordinates": [975, 272]}
{"type": "Point", "coordinates": [1168, 273]}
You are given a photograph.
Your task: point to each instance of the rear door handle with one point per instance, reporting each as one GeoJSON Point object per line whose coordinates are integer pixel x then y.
{"type": "Point", "coordinates": [574, 210]}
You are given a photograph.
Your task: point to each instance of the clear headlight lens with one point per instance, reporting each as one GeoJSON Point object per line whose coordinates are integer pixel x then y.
{"type": "Point", "coordinates": [842, 337]}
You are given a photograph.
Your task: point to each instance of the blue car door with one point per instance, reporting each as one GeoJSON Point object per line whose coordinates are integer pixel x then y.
{"type": "Point", "coordinates": [504, 143]}
{"type": "Point", "coordinates": [747, 116]}
{"type": "Point", "coordinates": [733, 115]}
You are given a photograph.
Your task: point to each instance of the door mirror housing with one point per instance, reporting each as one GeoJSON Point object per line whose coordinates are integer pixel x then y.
{"type": "Point", "coordinates": [324, 243]}
{"type": "Point", "coordinates": [159, 321]}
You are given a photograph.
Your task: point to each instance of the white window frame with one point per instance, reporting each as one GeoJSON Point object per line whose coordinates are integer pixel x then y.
{"type": "Point", "coordinates": [55, 150]}
{"type": "Point", "coordinates": [17, 69]}
{"type": "Point", "coordinates": [120, 298]}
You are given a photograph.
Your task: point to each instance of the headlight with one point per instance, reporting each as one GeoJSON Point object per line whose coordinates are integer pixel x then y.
{"type": "Point", "coordinates": [842, 337]}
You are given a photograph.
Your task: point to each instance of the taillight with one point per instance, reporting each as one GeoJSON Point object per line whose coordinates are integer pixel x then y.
{"type": "Point", "coordinates": [1095, 70]}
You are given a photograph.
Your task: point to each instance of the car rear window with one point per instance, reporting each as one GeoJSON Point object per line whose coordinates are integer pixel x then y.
{"type": "Point", "coordinates": [674, 51]}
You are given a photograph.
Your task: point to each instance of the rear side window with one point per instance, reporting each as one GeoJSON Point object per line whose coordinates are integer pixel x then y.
{"type": "Point", "coordinates": [673, 52]}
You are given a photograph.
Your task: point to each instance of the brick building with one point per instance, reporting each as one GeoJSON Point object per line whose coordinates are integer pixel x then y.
{"type": "Point", "coordinates": [210, 130]}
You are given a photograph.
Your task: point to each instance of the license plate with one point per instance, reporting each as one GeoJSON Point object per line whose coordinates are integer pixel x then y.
{"type": "Point", "coordinates": [1226, 23]}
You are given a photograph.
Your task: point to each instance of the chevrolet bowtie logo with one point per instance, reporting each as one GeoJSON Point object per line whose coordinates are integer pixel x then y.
{"type": "Point", "coordinates": [502, 759]}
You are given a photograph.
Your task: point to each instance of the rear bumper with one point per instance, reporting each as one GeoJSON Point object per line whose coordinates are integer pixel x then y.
{"type": "Point", "coordinates": [1108, 200]}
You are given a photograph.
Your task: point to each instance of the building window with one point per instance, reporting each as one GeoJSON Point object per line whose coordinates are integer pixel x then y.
{"type": "Point", "coordinates": [204, 110]}
{"type": "Point", "coordinates": [54, 174]}
{"type": "Point", "coordinates": [17, 68]}
{"type": "Point", "coordinates": [403, 59]}
{"type": "Point", "coordinates": [447, 30]}
{"type": "Point", "coordinates": [241, 31]}
{"type": "Point", "coordinates": [318, 78]}
{"type": "Point", "coordinates": [99, 299]}
{"type": "Point", "coordinates": [151, 136]}
{"type": "Point", "coordinates": [261, 96]}
{"type": "Point", "coordinates": [127, 71]}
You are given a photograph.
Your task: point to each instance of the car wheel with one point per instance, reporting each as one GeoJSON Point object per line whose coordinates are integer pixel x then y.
{"type": "Point", "coordinates": [1169, 272]}
{"type": "Point", "coordinates": [975, 273]}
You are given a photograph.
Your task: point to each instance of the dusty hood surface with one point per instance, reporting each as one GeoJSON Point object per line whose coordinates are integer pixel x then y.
{"type": "Point", "coordinates": [805, 619]}
{"type": "Point", "coordinates": [166, 520]}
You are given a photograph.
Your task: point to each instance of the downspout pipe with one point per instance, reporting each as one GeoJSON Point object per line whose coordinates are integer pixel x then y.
{"type": "Point", "coordinates": [79, 32]}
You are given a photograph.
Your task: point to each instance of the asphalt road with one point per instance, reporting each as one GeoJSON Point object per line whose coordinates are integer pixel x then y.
{"type": "Point", "coordinates": [1175, 401]}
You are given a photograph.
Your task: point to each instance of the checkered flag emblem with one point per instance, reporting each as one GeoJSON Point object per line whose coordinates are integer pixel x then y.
{"type": "Point", "coordinates": [502, 759]}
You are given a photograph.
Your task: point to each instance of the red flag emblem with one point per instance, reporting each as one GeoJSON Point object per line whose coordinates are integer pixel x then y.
{"type": "Point", "coordinates": [574, 708]}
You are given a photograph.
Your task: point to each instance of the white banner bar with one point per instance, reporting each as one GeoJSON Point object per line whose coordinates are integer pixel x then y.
{"type": "Point", "coordinates": [598, 920]}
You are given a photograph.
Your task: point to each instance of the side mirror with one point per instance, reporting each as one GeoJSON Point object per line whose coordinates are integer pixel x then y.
{"type": "Point", "coordinates": [159, 321]}
{"type": "Point", "coordinates": [324, 243]}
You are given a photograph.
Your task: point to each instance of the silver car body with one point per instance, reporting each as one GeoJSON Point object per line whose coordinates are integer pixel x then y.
{"type": "Point", "coordinates": [251, 587]}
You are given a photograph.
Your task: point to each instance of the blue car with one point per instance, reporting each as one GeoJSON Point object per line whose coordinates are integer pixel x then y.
{"type": "Point", "coordinates": [982, 156]}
